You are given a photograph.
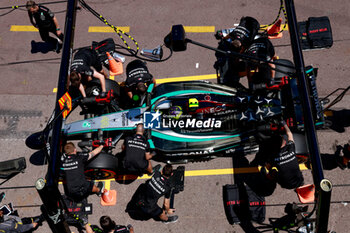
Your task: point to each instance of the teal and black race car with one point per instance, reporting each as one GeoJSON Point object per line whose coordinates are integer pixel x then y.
{"type": "Point", "coordinates": [191, 121]}
{"type": "Point", "coordinates": [197, 120]}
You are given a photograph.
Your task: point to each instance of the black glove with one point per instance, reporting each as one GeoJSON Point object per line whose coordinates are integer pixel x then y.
{"type": "Point", "coordinates": [103, 94]}
{"type": "Point", "coordinates": [39, 219]}
{"type": "Point", "coordinates": [282, 123]}
{"type": "Point", "coordinates": [129, 226]}
{"type": "Point", "coordinates": [101, 142]}
{"type": "Point", "coordinates": [346, 151]}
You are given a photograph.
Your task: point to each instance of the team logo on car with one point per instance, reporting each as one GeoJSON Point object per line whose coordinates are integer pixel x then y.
{"type": "Point", "coordinates": [151, 120]}
{"type": "Point", "coordinates": [155, 120]}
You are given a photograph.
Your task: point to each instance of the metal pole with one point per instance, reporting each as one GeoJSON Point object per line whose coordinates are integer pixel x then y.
{"type": "Point", "coordinates": [317, 170]}
{"type": "Point", "coordinates": [48, 190]}
{"type": "Point", "coordinates": [61, 86]}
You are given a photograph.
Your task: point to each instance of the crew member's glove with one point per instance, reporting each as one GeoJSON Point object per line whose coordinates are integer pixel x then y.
{"type": "Point", "coordinates": [129, 226]}
{"type": "Point", "coordinates": [82, 220]}
{"type": "Point", "coordinates": [282, 123]}
{"type": "Point", "coordinates": [101, 142]}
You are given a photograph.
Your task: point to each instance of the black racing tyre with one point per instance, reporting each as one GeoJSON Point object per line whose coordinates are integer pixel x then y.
{"type": "Point", "coordinates": [35, 141]}
{"type": "Point", "coordinates": [99, 174]}
{"type": "Point", "coordinates": [282, 71]}
{"type": "Point", "coordinates": [93, 87]}
{"type": "Point", "coordinates": [102, 166]}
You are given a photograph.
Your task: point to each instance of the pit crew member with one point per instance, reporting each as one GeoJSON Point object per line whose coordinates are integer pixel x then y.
{"type": "Point", "coordinates": [12, 223]}
{"type": "Point", "coordinates": [147, 195]}
{"type": "Point", "coordinates": [260, 72]}
{"type": "Point", "coordinates": [72, 165]}
{"type": "Point", "coordinates": [138, 79]}
{"type": "Point", "coordinates": [137, 154]}
{"type": "Point", "coordinates": [238, 41]}
{"type": "Point", "coordinates": [43, 19]}
{"type": "Point", "coordinates": [288, 172]}
{"type": "Point", "coordinates": [82, 73]}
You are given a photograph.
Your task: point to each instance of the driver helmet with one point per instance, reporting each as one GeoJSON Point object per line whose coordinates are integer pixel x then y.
{"type": "Point", "coordinates": [175, 111]}
{"type": "Point", "coordinates": [193, 103]}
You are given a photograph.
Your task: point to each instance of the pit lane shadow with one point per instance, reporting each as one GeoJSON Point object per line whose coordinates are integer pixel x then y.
{"type": "Point", "coordinates": [38, 158]}
{"type": "Point", "coordinates": [133, 210]}
{"type": "Point", "coordinates": [339, 120]}
{"type": "Point", "coordinates": [42, 47]}
{"type": "Point", "coordinates": [256, 180]}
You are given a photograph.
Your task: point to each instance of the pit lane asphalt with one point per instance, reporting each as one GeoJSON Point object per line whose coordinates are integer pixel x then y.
{"type": "Point", "coordinates": [27, 99]}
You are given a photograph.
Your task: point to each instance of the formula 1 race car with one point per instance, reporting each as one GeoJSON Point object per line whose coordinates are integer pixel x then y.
{"type": "Point", "coordinates": [196, 121]}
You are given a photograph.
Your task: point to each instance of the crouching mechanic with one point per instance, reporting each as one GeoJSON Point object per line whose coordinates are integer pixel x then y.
{"type": "Point", "coordinates": [288, 175]}
{"type": "Point", "coordinates": [137, 154]}
{"type": "Point", "coordinates": [77, 187]}
{"type": "Point", "coordinates": [147, 195]}
{"type": "Point", "coordinates": [14, 224]}
{"type": "Point", "coordinates": [138, 79]}
{"type": "Point", "coordinates": [82, 73]}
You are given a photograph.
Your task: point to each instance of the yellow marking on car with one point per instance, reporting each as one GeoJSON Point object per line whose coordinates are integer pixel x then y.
{"type": "Point", "coordinates": [199, 29]}
{"type": "Point", "coordinates": [107, 29]}
{"type": "Point", "coordinates": [23, 28]}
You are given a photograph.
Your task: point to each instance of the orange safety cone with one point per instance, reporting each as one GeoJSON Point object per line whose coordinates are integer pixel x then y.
{"type": "Point", "coordinates": [274, 31]}
{"type": "Point", "coordinates": [115, 68]}
{"type": "Point", "coordinates": [306, 193]}
{"type": "Point", "coordinates": [109, 197]}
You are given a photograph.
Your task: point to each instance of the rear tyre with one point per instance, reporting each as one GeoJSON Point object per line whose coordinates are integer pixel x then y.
{"type": "Point", "coordinates": [100, 174]}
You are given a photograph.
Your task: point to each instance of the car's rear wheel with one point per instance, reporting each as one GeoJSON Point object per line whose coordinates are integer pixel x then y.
{"type": "Point", "coordinates": [100, 174]}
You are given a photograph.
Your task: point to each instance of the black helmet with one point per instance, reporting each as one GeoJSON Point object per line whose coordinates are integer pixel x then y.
{"type": "Point", "coordinates": [246, 30]}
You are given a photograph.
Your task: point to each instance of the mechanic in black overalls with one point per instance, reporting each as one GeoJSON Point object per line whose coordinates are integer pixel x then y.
{"type": "Point", "coordinates": [109, 226]}
{"type": "Point", "coordinates": [82, 73]}
{"type": "Point", "coordinates": [46, 22]}
{"type": "Point", "coordinates": [12, 223]}
{"type": "Point", "coordinates": [260, 72]}
{"type": "Point", "coordinates": [137, 154]}
{"type": "Point", "coordinates": [288, 174]}
{"type": "Point", "coordinates": [147, 195]}
{"type": "Point", "coordinates": [237, 41]}
{"type": "Point", "coordinates": [77, 187]}
{"type": "Point", "coordinates": [137, 80]}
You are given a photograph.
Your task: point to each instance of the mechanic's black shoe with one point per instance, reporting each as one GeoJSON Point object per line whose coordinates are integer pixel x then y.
{"type": "Point", "coordinates": [156, 168]}
{"type": "Point", "coordinates": [173, 218]}
{"type": "Point", "coordinates": [58, 47]}
{"type": "Point", "coordinates": [100, 185]}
